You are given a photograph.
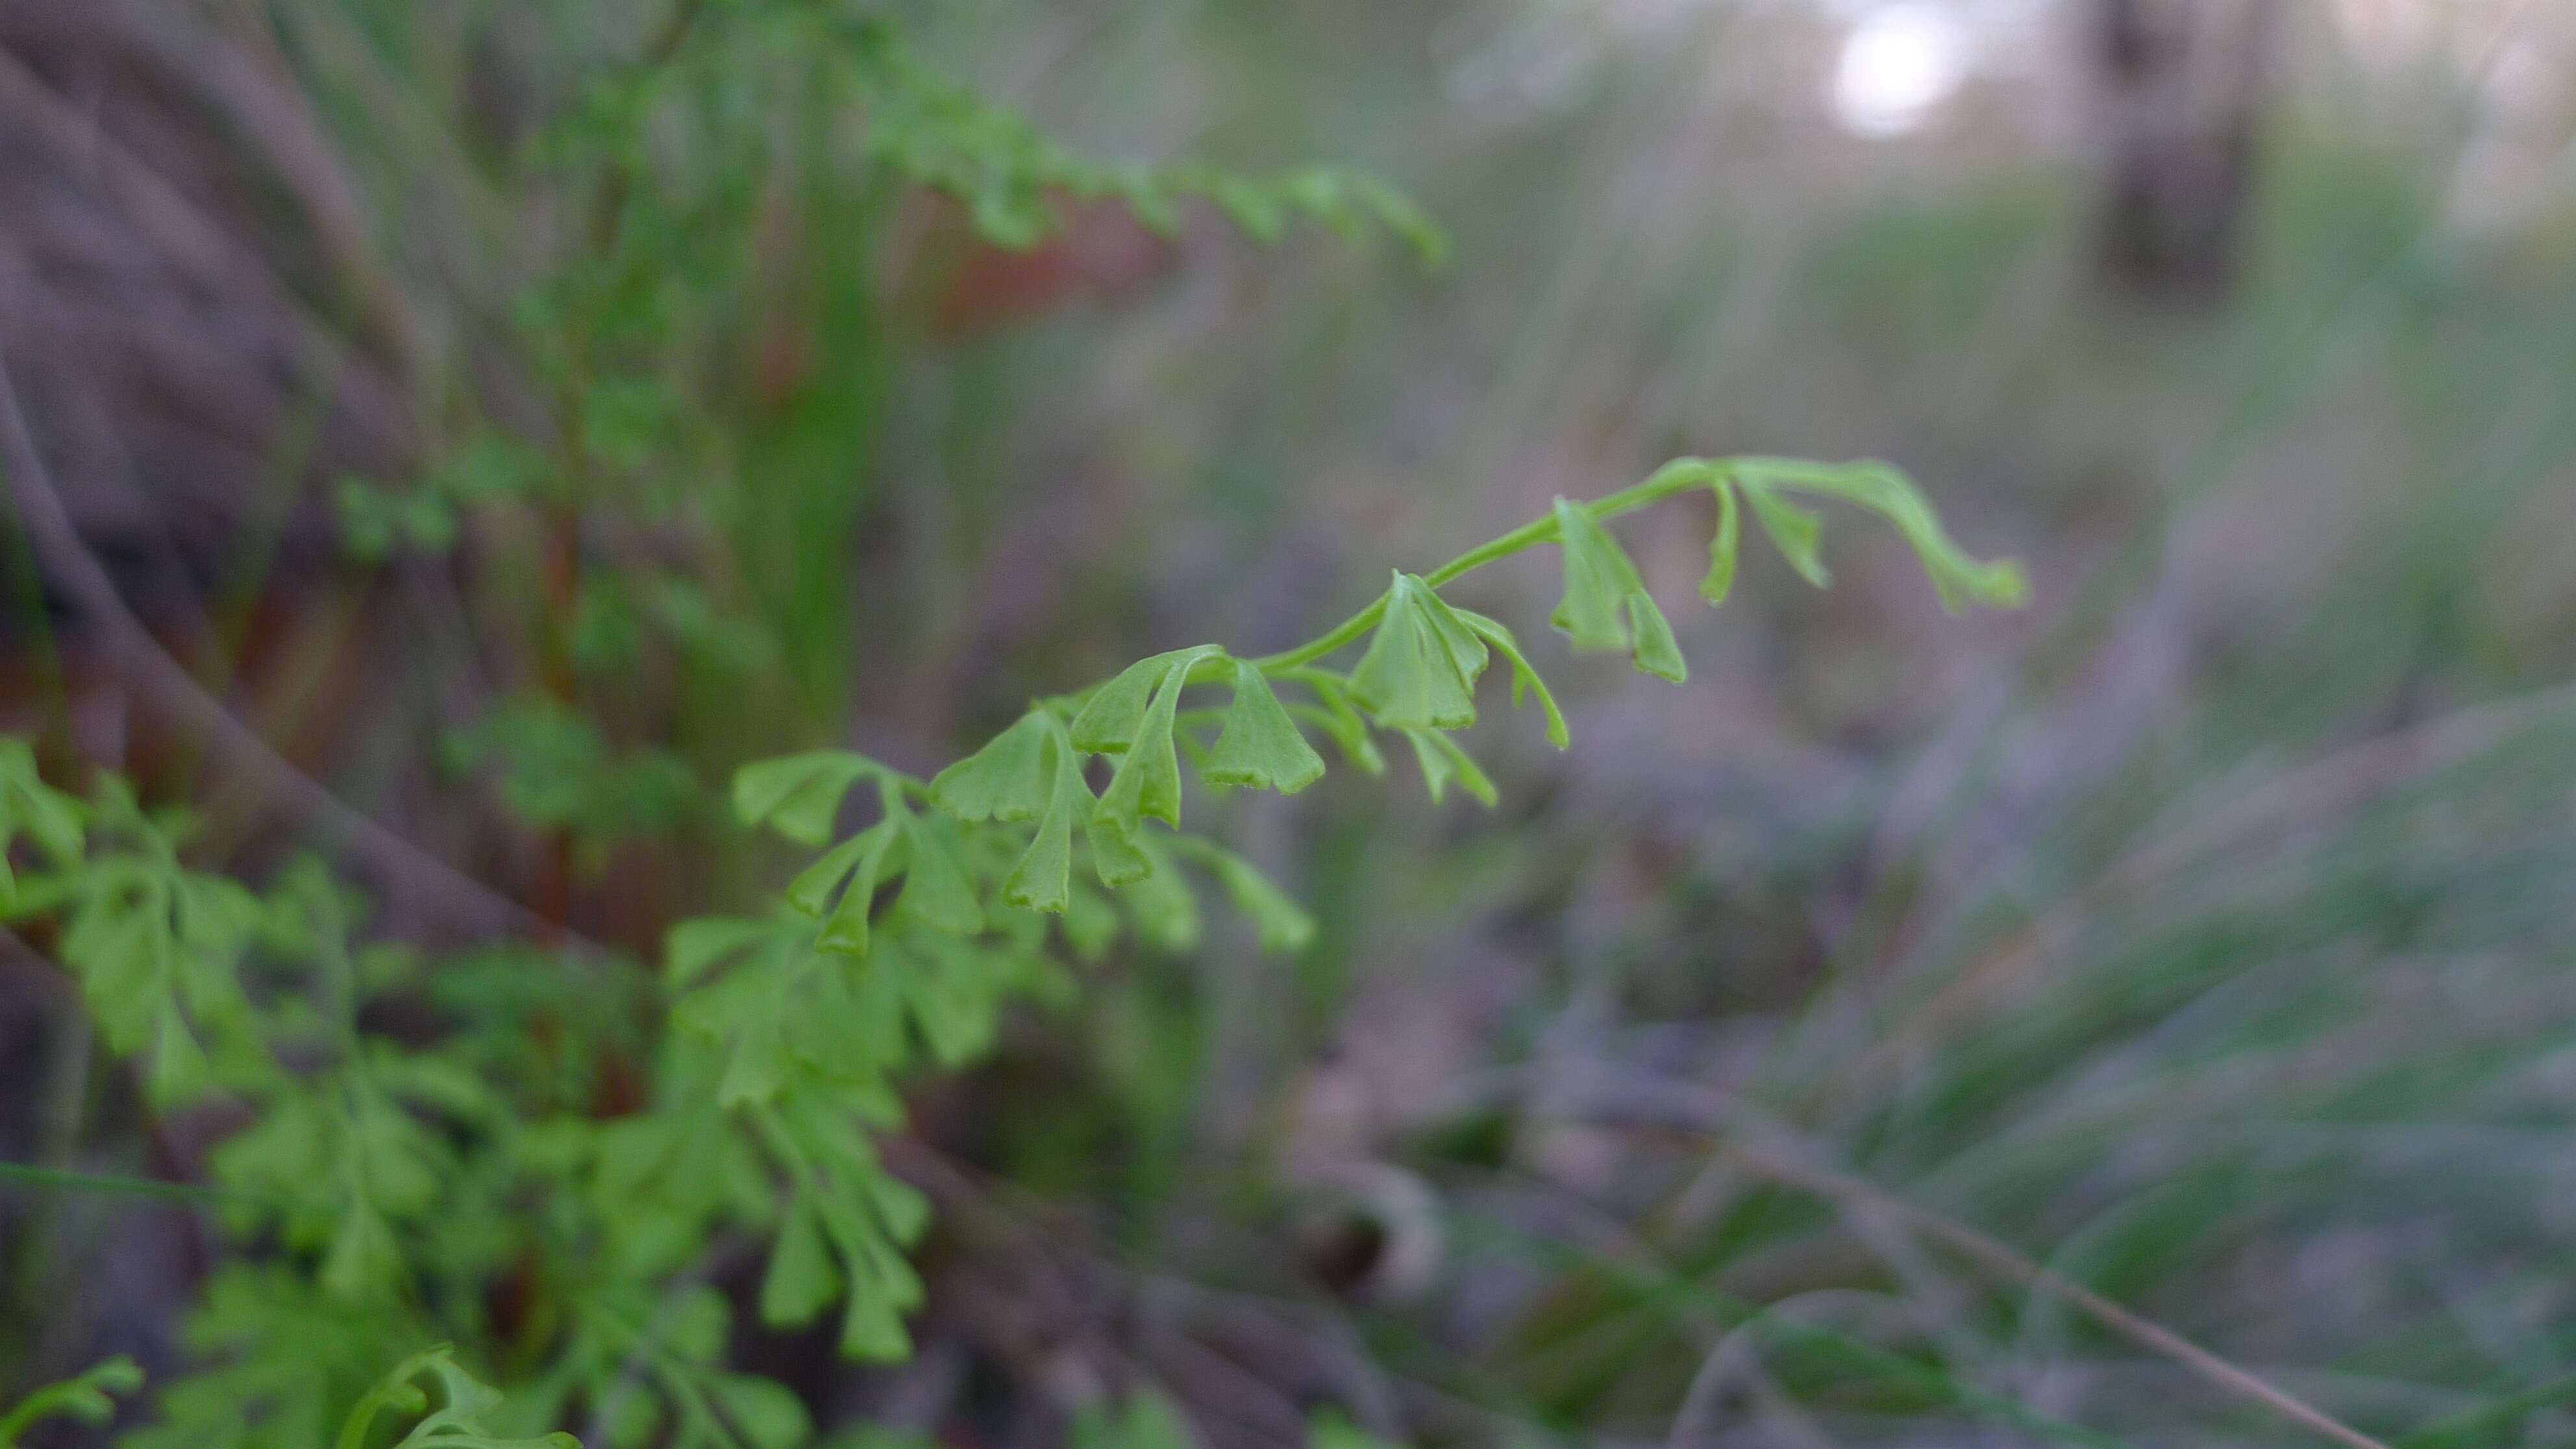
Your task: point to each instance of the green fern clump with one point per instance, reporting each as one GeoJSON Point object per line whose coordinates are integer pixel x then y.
{"type": "Point", "coordinates": [388, 1173]}
{"type": "Point", "coordinates": [484, 1177]}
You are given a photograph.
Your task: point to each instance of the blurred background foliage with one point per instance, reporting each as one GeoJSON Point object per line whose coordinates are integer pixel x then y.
{"type": "Point", "coordinates": [2199, 934]}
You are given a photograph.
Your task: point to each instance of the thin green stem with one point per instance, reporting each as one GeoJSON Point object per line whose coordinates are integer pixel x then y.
{"type": "Point", "coordinates": [1682, 475]}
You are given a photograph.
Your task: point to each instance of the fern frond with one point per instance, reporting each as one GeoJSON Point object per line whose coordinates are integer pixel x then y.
{"type": "Point", "coordinates": [792, 1025]}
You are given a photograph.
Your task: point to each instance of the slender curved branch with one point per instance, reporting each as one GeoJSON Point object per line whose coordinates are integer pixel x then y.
{"type": "Point", "coordinates": [404, 866]}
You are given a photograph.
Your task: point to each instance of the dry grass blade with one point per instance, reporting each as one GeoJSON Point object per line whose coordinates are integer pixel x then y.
{"type": "Point", "coordinates": [2002, 1259]}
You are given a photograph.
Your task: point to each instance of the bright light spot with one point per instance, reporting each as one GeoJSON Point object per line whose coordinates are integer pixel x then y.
{"type": "Point", "coordinates": [1899, 62]}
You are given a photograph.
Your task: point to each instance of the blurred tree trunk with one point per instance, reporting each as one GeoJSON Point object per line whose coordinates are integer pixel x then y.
{"type": "Point", "coordinates": [2184, 84]}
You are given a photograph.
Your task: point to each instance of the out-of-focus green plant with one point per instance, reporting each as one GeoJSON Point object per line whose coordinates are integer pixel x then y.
{"type": "Point", "coordinates": [455, 1420]}
{"type": "Point", "coordinates": [1148, 1421]}
{"type": "Point", "coordinates": [84, 1398]}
